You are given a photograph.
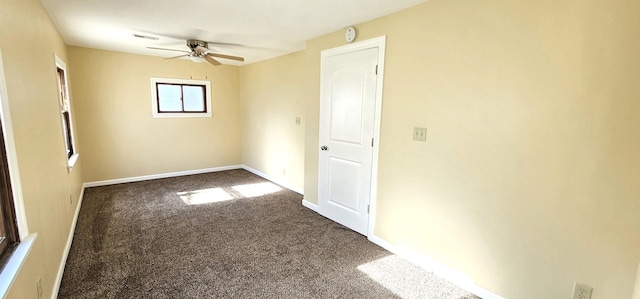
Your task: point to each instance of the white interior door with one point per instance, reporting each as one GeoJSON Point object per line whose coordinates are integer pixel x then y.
{"type": "Point", "coordinates": [347, 118]}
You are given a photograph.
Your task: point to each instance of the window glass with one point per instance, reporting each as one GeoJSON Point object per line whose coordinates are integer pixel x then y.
{"type": "Point", "coordinates": [193, 98]}
{"type": "Point", "coordinates": [169, 98]}
{"type": "Point", "coordinates": [175, 98]}
{"type": "Point", "coordinates": [65, 113]}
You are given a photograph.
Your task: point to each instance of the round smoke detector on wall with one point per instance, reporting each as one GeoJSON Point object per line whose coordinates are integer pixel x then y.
{"type": "Point", "coordinates": [350, 34]}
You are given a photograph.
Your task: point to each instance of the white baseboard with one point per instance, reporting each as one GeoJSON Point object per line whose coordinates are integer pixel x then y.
{"type": "Point", "coordinates": [636, 291]}
{"type": "Point", "coordinates": [160, 176]}
{"type": "Point", "coordinates": [310, 205]}
{"type": "Point", "coordinates": [275, 180]}
{"type": "Point", "coordinates": [461, 280]}
{"type": "Point", "coordinates": [191, 172]}
{"type": "Point", "coordinates": [67, 248]}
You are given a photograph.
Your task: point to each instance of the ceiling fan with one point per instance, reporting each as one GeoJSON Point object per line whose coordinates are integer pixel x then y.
{"type": "Point", "coordinates": [200, 52]}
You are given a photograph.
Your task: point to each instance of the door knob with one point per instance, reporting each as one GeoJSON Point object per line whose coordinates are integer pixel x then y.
{"type": "Point", "coordinates": [324, 148]}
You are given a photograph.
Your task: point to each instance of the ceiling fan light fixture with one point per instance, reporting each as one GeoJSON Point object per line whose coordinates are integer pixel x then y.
{"type": "Point", "coordinates": [196, 58]}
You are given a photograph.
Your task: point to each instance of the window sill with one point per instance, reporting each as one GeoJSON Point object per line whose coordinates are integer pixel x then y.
{"type": "Point", "coordinates": [16, 260]}
{"type": "Point", "coordinates": [72, 161]}
{"type": "Point", "coordinates": [181, 115]}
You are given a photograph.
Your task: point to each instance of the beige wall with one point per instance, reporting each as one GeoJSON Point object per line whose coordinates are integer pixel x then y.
{"type": "Point", "coordinates": [28, 41]}
{"type": "Point", "coordinates": [273, 94]}
{"type": "Point", "coordinates": [528, 179]}
{"type": "Point", "coordinates": [118, 134]}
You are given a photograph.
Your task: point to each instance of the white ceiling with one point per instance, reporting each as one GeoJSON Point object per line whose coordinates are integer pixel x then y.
{"type": "Point", "coordinates": [269, 28]}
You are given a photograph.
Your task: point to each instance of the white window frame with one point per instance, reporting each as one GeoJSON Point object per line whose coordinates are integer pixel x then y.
{"type": "Point", "coordinates": [27, 239]}
{"type": "Point", "coordinates": [71, 161]}
{"type": "Point", "coordinates": [154, 98]}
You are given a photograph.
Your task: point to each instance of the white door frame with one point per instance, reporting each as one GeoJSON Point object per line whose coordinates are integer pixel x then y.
{"type": "Point", "coordinates": [380, 43]}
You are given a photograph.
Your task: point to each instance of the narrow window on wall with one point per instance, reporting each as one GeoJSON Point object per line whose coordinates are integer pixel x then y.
{"type": "Point", "coordinates": [180, 98]}
{"type": "Point", "coordinates": [9, 236]}
{"type": "Point", "coordinates": [65, 113]}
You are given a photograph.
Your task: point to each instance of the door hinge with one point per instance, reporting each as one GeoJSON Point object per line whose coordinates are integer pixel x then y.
{"type": "Point", "coordinates": [368, 208]}
{"type": "Point", "coordinates": [376, 69]}
{"type": "Point", "coordinates": [371, 142]}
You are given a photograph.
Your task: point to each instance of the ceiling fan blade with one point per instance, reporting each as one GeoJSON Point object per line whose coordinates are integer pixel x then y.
{"type": "Point", "coordinates": [237, 58]}
{"type": "Point", "coordinates": [228, 44]}
{"type": "Point", "coordinates": [176, 56]}
{"type": "Point", "coordinates": [154, 48]}
{"type": "Point", "coordinates": [212, 61]}
{"type": "Point", "coordinates": [201, 49]}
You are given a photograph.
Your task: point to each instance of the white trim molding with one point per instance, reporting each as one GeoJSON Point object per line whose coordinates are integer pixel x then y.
{"type": "Point", "coordinates": [191, 172]}
{"type": "Point", "coordinates": [381, 43]}
{"type": "Point", "coordinates": [67, 248]}
{"type": "Point", "coordinates": [310, 205]}
{"type": "Point", "coordinates": [160, 176]}
{"type": "Point", "coordinates": [277, 181]}
{"type": "Point", "coordinates": [72, 161]}
{"type": "Point", "coordinates": [445, 272]}
{"type": "Point", "coordinates": [636, 291]}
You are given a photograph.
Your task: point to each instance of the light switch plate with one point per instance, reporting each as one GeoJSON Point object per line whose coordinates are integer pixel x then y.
{"type": "Point", "coordinates": [420, 134]}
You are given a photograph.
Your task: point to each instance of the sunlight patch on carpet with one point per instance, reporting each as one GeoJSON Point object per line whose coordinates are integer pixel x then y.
{"type": "Point", "coordinates": [410, 281]}
{"type": "Point", "coordinates": [204, 196]}
{"type": "Point", "coordinates": [259, 189]}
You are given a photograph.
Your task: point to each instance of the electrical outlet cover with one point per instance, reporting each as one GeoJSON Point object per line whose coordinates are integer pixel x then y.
{"type": "Point", "coordinates": [420, 134]}
{"type": "Point", "coordinates": [581, 291]}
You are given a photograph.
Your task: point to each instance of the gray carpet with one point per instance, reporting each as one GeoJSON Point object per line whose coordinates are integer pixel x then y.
{"type": "Point", "coordinates": [144, 240]}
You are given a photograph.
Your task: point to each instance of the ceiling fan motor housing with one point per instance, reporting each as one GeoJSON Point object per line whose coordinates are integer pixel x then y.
{"type": "Point", "coordinates": [194, 43]}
